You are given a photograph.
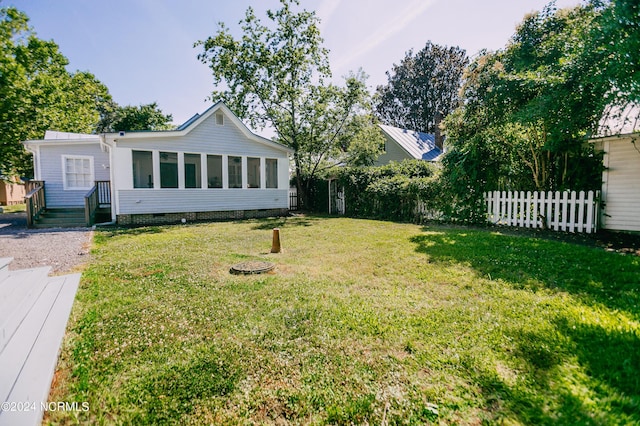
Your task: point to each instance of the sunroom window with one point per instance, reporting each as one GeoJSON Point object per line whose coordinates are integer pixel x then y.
{"type": "Point", "coordinates": [142, 169]}
{"type": "Point", "coordinates": [168, 170]}
{"type": "Point", "coordinates": [253, 172]}
{"type": "Point", "coordinates": [214, 171]}
{"type": "Point", "coordinates": [192, 173]}
{"type": "Point", "coordinates": [271, 172]}
{"type": "Point", "coordinates": [235, 172]}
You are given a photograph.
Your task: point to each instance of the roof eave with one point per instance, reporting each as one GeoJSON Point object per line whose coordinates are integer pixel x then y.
{"type": "Point", "coordinates": [115, 136]}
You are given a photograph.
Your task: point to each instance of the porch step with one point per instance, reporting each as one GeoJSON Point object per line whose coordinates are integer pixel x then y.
{"type": "Point", "coordinates": [33, 315]}
{"type": "Point", "coordinates": [103, 214]}
{"type": "Point", "coordinates": [61, 218]}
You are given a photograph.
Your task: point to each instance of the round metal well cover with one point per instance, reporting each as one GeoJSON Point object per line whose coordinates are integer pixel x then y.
{"type": "Point", "coordinates": [252, 267]}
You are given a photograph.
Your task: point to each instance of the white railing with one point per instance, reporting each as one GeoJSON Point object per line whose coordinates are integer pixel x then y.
{"type": "Point", "coordinates": [559, 211]}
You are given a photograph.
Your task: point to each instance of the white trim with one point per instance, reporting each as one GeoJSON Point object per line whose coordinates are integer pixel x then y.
{"type": "Point", "coordinates": [225, 171]}
{"type": "Point", "coordinates": [181, 178]}
{"type": "Point", "coordinates": [115, 137]}
{"type": "Point", "coordinates": [155, 164]}
{"type": "Point", "coordinates": [64, 172]}
{"type": "Point", "coordinates": [38, 171]}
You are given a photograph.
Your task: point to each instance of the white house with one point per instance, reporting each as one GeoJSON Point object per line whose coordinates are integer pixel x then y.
{"type": "Point", "coordinates": [401, 144]}
{"type": "Point", "coordinates": [211, 167]}
{"type": "Point", "coordinates": [619, 139]}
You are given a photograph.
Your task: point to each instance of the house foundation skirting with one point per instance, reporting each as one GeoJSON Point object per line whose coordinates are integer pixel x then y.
{"type": "Point", "coordinates": [168, 218]}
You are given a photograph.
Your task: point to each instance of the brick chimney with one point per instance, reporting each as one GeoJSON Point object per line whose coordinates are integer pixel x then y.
{"type": "Point", "coordinates": [437, 133]}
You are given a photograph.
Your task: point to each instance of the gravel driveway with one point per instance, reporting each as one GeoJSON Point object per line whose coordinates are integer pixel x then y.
{"type": "Point", "coordinates": [64, 249]}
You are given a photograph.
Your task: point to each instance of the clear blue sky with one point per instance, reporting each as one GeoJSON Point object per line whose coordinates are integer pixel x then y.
{"type": "Point", "coordinates": [142, 50]}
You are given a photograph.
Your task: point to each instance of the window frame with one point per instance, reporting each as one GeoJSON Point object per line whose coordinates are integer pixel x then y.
{"type": "Point", "coordinates": [241, 174]}
{"type": "Point", "coordinates": [177, 170]}
{"type": "Point", "coordinates": [133, 163]}
{"type": "Point", "coordinates": [251, 163]}
{"type": "Point", "coordinates": [198, 169]}
{"type": "Point", "coordinates": [209, 174]}
{"type": "Point", "coordinates": [267, 161]}
{"type": "Point", "coordinates": [91, 173]}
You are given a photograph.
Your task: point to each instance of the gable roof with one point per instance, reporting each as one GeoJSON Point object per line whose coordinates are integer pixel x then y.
{"type": "Point", "coordinates": [194, 122]}
{"type": "Point", "coordinates": [419, 145]}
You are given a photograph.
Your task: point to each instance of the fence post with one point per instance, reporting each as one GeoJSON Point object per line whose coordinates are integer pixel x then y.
{"type": "Point", "coordinates": [521, 212]}
{"type": "Point", "coordinates": [572, 212]}
{"type": "Point", "coordinates": [534, 211]}
{"type": "Point", "coordinates": [590, 212]}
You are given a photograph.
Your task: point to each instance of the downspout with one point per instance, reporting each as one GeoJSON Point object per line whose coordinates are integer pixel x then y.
{"type": "Point", "coordinates": [114, 199]}
{"type": "Point", "coordinates": [35, 151]}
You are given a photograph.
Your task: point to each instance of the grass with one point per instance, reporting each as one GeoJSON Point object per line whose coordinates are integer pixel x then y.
{"type": "Point", "coordinates": [15, 208]}
{"type": "Point", "coordinates": [364, 322]}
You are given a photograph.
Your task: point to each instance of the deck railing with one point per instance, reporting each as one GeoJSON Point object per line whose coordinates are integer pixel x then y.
{"type": "Point", "coordinates": [35, 200]}
{"type": "Point", "coordinates": [91, 205]}
{"type": "Point", "coordinates": [104, 192]}
{"type": "Point", "coordinates": [97, 196]}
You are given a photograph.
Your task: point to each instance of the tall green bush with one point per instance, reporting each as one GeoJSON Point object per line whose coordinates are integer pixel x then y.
{"type": "Point", "coordinates": [390, 192]}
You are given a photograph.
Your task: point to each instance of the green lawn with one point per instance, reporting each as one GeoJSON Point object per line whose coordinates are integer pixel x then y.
{"type": "Point", "coordinates": [15, 208]}
{"type": "Point", "coordinates": [362, 322]}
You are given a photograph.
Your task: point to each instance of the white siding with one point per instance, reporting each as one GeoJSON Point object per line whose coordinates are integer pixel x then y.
{"type": "Point", "coordinates": [393, 152]}
{"type": "Point", "coordinates": [207, 138]}
{"type": "Point", "coordinates": [50, 163]}
{"type": "Point", "coordinates": [145, 201]}
{"type": "Point", "coordinates": [621, 185]}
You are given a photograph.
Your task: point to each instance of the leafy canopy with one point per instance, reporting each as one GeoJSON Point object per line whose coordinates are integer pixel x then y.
{"type": "Point", "coordinates": [143, 117]}
{"type": "Point", "coordinates": [277, 75]}
{"type": "Point", "coordinates": [422, 88]}
{"type": "Point", "coordinates": [528, 111]}
{"type": "Point", "coordinates": [37, 93]}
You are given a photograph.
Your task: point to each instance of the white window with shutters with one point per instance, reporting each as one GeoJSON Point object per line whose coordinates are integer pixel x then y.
{"type": "Point", "coordinates": [77, 172]}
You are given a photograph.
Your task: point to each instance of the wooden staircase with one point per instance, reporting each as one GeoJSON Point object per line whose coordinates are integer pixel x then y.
{"type": "Point", "coordinates": [61, 217]}
{"type": "Point", "coordinates": [34, 309]}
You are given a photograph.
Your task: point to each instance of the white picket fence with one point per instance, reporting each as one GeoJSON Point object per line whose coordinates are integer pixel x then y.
{"type": "Point", "coordinates": [559, 211]}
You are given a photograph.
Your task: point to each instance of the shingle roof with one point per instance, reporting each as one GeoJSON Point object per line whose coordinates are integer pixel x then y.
{"type": "Point", "coordinates": [419, 145]}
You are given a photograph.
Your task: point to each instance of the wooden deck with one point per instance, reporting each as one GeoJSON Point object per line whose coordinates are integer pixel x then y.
{"type": "Point", "coordinates": [34, 309]}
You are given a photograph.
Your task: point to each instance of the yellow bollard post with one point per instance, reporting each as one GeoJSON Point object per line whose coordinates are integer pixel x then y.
{"type": "Point", "coordinates": [275, 245]}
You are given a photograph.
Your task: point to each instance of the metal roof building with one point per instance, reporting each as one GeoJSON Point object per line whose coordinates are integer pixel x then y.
{"type": "Point", "coordinates": [403, 144]}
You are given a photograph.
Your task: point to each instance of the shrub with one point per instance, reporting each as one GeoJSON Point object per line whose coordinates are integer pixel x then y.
{"type": "Point", "coordinates": [391, 192]}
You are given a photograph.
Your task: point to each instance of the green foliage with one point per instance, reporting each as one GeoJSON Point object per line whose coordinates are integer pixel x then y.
{"type": "Point", "coordinates": [276, 75]}
{"type": "Point", "coordinates": [528, 112]}
{"type": "Point", "coordinates": [390, 192]}
{"type": "Point", "coordinates": [37, 93]}
{"type": "Point", "coordinates": [423, 88]}
{"type": "Point", "coordinates": [362, 142]}
{"type": "Point", "coordinates": [130, 118]}
{"type": "Point", "coordinates": [617, 38]}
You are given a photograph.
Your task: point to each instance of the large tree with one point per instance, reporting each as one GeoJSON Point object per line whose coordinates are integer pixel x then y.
{"type": "Point", "coordinates": [37, 93]}
{"type": "Point", "coordinates": [530, 108]}
{"type": "Point", "coordinates": [423, 88]}
{"type": "Point", "coordinates": [143, 117]}
{"type": "Point", "coordinates": [277, 75]}
{"type": "Point", "coordinates": [618, 35]}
